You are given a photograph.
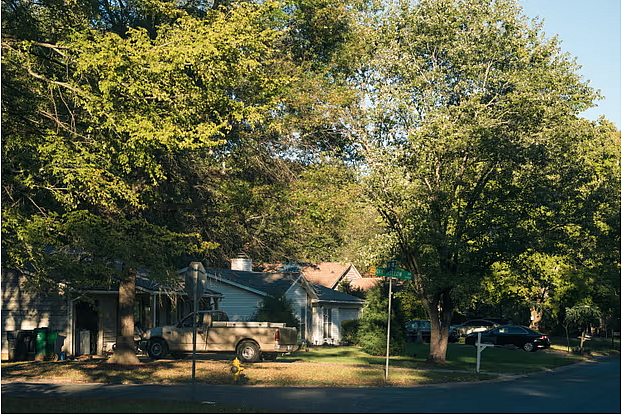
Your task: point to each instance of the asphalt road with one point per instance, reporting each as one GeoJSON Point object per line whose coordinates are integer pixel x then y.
{"type": "Point", "coordinates": [588, 387]}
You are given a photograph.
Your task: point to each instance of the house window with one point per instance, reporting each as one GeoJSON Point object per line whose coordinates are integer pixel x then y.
{"type": "Point", "coordinates": [327, 323]}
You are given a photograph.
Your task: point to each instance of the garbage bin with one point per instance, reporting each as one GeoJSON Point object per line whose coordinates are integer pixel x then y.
{"type": "Point", "coordinates": [45, 344]}
{"type": "Point", "coordinates": [24, 345]}
{"type": "Point", "coordinates": [50, 345]}
{"type": "Point", "coordinates": [40, 343]}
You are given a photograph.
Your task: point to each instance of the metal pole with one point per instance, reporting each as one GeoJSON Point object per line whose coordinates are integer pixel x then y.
{"type": "Point", "coordinates": [386, 371]}
{"type": "Point", "coordinates": [195, 273]}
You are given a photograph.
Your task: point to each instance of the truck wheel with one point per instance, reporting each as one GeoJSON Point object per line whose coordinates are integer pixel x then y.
{"type": "Point", "coordinates": [249, 351]}
{"type": "Point", "coordinates": [157, 348]}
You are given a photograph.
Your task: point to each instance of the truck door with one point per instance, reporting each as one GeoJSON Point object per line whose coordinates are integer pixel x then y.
{"type": "Point", "coordinates": [185, 331]}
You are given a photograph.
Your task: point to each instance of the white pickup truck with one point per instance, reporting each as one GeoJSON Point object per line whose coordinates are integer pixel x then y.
{"type": "Point", "coordinates": [215, 333]}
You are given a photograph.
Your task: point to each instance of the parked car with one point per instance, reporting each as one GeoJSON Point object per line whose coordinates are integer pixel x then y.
{"type": "Point", "coordinates": [416, 327]}
{"type": "Point", "coordinates": [473, 326]}
{"type": "Point", "coordinates": [500, 321]}
{"type": "Point", "coordinates": [519, 336]}
{"type": "Point", "coordinates": [413, 327]}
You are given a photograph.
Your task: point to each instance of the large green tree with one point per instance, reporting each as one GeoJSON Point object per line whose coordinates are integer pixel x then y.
{"type": "Point", "coordinates": [102, 115]}
{"type": "Point", "coordinates": [470, 110]}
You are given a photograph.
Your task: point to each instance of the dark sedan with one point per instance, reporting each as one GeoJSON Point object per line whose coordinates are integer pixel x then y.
{"type": "Point", "coordinates": [522, 337]}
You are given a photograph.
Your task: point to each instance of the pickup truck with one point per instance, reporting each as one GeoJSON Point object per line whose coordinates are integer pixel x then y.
{"type": "Point", "coordinates": [215, 333]}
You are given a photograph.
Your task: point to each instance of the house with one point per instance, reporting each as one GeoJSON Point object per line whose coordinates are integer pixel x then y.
{"type": "Point", "coordinates": [330, 274]}
{"type": "Point", "coordinates": [320, 309]}
{"type": "Point", "coordinates": [87, 324]}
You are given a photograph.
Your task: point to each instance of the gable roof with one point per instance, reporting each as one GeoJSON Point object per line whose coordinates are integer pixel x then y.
{"type": "Point", "coordinates": [264, 283]}
{"type": "Point", "coordinates": [327, 274]}
{"type": "Point", "coordinates": [325, 294]}
{"type": "Point", "coordinates": [270, 283]}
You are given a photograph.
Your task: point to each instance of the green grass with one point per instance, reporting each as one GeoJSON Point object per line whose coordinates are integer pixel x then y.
{"type": "Point", "coordinates": [349, 366]}
{"type": "Point", "coordinates": [459, 357]}
{"type": "Point", "coordinates": [597, 345]}
{"type": "Point", "coordinates": [120, 406]}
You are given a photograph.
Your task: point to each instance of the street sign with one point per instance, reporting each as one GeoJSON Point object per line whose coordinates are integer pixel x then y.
{"type": "Point", "coordinates": [395, 273]}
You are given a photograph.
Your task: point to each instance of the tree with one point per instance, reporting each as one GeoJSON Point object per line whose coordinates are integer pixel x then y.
{"type": "Point", "coordinates": [584, 316]}
{"type": "Point", "coordinates": [111, 111]}
{"type": "Point", "coordinates": [372, 331]}
{"type": "Point", "coordinates": [469, 111]}
{"type": "Point", "coordinates": [277, 309]}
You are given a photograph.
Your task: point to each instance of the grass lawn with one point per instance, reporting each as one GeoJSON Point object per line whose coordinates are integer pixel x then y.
{"type": "Point", "coordinates": [349, 366]}
{"type": "Point", "coordinates": [320, 366]}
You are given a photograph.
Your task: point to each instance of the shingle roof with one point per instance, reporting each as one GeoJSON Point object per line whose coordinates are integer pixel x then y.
{"type": "Point", "coordinates": [154, 286]}
{"type": "Point", "coordinates": [325, 273]}
{"type": "Point", "coordinates": [268, 282]}
{"type": "Point", "coordinates": [278, 283]}
{"type": "Point", "coordinates": [327, 294]}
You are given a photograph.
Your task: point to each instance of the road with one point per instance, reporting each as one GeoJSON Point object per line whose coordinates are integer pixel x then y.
{"type": "Point", "coordinates": [588, 387]}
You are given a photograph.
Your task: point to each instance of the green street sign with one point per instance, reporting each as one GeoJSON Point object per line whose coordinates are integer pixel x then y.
{"type": "Point", "coordinates": [395, 273]}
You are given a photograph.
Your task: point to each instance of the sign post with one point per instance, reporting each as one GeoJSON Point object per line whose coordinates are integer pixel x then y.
{"type": "Point", "coordinates": [195, 279]}
{"type": "Point", "coordinates": [391, 273]}
{"type": "Point", "coordinates": [386, 370]}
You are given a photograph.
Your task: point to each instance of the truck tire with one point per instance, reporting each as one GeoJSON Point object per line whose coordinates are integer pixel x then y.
{"type": "Point", "coordinates": [157, 348]}
{"type": "Point", "coordinates": [249, 351]}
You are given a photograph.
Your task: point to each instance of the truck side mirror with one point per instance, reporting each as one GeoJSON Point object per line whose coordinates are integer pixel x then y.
{"type": "Point", "coordinates": [207, 320]}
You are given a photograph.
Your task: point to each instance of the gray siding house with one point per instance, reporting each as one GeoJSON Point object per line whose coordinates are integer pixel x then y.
{"type": "Point", "coordinates": [320, 309]}
{"type": "Point", "coordinates": [88, 323]}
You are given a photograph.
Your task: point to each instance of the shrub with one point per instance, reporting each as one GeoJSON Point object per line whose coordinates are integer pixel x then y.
{"type": "Point", "coordinates": [372, 333]}
{"type": "Point", "coordinates": [349, 332]}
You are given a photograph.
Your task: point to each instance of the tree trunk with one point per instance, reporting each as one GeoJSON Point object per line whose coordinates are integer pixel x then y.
{"type": "Point", "coordinates": [536, 319]}
{"type": "Point", "coordinates": [125, 352]}
{"type": "Point", "coordinates": [440, 310]}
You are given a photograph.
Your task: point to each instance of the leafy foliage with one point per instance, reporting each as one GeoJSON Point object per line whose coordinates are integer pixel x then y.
{"type": "Point", "coordinates": [276, 309]}
{"type": "Point", "coordinates": [471, 117]}
{"type": "Point", "coordinates": [372, 332]}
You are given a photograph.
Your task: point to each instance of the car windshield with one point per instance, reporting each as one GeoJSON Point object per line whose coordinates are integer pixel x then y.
{"type": "Point", "coordinates": [419, 324]}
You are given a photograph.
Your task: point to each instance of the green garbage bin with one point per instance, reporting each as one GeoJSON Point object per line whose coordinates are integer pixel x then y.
{"type": "Point", "coordinates": [40, 343]}
{"type": "Point", "coordinates": [50, 345]}
{"type": "Point", "coordinates": [45, 344]}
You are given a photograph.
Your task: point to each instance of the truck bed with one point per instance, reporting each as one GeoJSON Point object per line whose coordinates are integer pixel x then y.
{"type": "Point", "coordinates": [247, 324]}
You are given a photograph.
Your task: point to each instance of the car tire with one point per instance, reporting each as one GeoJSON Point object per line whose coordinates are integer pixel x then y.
{"type": "Point", "coordinates": [157, 348]}
{"type": "Point", "coordinates": [529, 347]}
{"type": "Point", "coordinates": [249, 351]}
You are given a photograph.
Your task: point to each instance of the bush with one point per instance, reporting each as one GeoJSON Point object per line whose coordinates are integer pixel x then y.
{"type": "Point", "coordinates": [372, 333]}
{"type": "Point", "coordinates": [349, 332]}
{"type": "Point", "coordinates": [276, 309]}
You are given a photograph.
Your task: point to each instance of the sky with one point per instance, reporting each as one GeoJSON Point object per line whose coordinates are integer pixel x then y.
{"type": "Point", "coordinates": [590, 31]}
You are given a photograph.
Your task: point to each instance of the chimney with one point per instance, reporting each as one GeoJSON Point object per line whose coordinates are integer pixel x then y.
{"type": "Point", "coordinates": [242, 263]}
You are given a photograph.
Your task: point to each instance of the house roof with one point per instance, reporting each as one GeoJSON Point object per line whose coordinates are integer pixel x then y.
{"type": "Point", "coordinates": [143, 282]}
{"type": "Point", "coordinates": [364, 283]}
{"type": "Point", "coordinates": [330, 295]}
{"type": "Point", "coordinates": [150, 285]}
{"type": "Point", "coordinates": [264, 282]}
{"type": "Point", "coordinates": [327, 274]}
{"type": "Point", "coordinates": [267, 283]}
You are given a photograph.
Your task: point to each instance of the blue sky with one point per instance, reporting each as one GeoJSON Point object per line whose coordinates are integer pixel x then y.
{"type": "Point", "coordinates": [590, 31]}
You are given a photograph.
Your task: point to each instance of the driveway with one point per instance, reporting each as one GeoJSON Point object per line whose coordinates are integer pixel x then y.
{"type": "Point", "coordinates": [587, 387]}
